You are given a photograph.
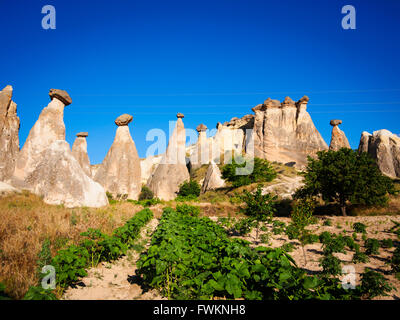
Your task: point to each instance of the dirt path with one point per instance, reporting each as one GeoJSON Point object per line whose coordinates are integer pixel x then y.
{"type": "Point", "coordinates": [116, 281]}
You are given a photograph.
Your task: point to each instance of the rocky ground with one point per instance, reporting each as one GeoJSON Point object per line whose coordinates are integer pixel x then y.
{"type": "Point", "coordinates": [116, 281]}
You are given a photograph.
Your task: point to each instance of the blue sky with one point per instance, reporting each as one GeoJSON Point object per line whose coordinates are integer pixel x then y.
{"type": "Point", "coordinates": [211, 60]}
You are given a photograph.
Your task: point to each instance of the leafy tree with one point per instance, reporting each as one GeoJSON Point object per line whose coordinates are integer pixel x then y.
{"type": "Point", "coordinates": [344, 177]}
{"type": "Point", "coordinates": [189, 188]}
{"type": "Point", "coordinates": [261, 171]}
{"type": "Point", "coordinates": [260, 207]}
{"type": "Point", "coordinates": [302, 216]}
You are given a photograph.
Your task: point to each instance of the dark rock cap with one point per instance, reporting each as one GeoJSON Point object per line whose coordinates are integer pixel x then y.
{"type": "Point", "coordinates": [123, 120]}
{"type": "Point", "coordinates": [82, 134]}
{"type": "Point", "coordinates": [304, 99]}
{"type": "Point", "coordinates": [201, 127]}
{"type": "Point", "coordinates": [61, 95]}
{"type": "Point", "coordinates": [180, 115]}
{"type": "Point", "coordinates": [335, 122]}
{"type": "Point", "coordinates": [288, 102]}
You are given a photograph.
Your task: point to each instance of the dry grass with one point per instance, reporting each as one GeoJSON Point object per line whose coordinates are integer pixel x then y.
{"type": "Point", "coordinates": [26, 221]}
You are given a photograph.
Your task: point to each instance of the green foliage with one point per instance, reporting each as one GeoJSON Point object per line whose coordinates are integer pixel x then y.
{"type": "Point", "coordinates": [372, 246]}
{"type": "Point", "coordinates": [292, 232]}
{"type": "Point", "coordinates": [331, 265]}
{"type": "Point", "coordinates": [188, 210]}
{"type": "Point", "coordinates": [386, 243]}
{"type": "Point", "coordinates": [189, 188]}
{"type": "Point", "coordinates": [395, 261]}
{"type": "Point", "coordinates": [261, 171]}
{"type": "Point", "coordinates": [396, 228]}
{"type": "Point", "coordinates": [44, 256]}
{"type": "Point", "coordinates": [71, 263]}
{"type": "Point", "coordinates": [327, 223]}
{"type": "Point", "coordinates": [345, 176]}
{"type": "Point", "coordinates": [146, 194]}
{"type": "Point", "coordinates": [359, 227]}
{"type": "Point", "coordinates": [193, 258]}
{"type": "Point", "coordinates": [360, 257]}
{"type": "Point", "coordinates": [288, 247]}
{"type": "Point", "coordinates": [278, 227]}
{"type": "Point", "coordinates": [244, 226]}
{"type": "Point", "coordinates": [260, 207]}
{"type": "Point", "coordinates": [374, 284]}
{"type": "Point", "coordinates": [3, 295]}
{"type": "Point", "coordinates": [333, 243]}
{"type": "Point", "coordinates": [110, 197]}
{"type": "Point", "coordinates": [145, 203]}
{"type": "Point", "coordinates": [38, 293]}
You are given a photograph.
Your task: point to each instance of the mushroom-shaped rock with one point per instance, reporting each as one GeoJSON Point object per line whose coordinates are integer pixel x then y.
{"type": "Point", "coordinates": [287, 102]}
{"type": "Point", "coordinates": [61, 95]}
{"type": "Point", "coordinates": [172, 170]}
{"type": "Point", "coordinates": [180, 115]}
{"type": "Point", "coordinates": [123, 120]}
{"type": "Point", "coordinates": [47, 129]}
{"type": "Point", "coordinates": [79, 151]}
{"type": "Point", "coordinates": [59, 178]}
{"type": "Point", "coordinates": [120, 172]}
{"type": "Point", "coordinates": [338, 139]}
{"type": "Point", "coordinates": [201, 127]}
{"type": "Point", "coordinates": [304, 99]}
{"type": "Point", "coordinates": [9, 128]}
{"type": "Point", "coordinates": [335, 122]}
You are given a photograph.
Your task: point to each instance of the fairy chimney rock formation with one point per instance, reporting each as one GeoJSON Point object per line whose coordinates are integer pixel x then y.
{"type": "Point", "coordinates": [79, 151]}
{"type": "Point", "coordinates": [172, 170]}
{"type": "Point", "coordinates": [285, 132]}
{"type": "Point", "coordinates": [384, 147]}
{"type": "Point", "coordinates": [9, 128]}
{"type": "Point", "coordinates": [201, 151]}
{"type": "Point", "coordinates": [59, 179]}
{"type": "Point", "coordinates": [47, 129]}
{"type": "Point", "coordinates": [338, 139]}
{"type": "Point", "coordinates": [120, 172]}
{"type": "Point", "coordinates": [213, 179]}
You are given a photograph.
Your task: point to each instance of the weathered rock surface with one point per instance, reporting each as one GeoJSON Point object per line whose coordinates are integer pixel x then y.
{"type": "Point", "coordinates": [9, 128]}
{"type": "Point", "coordinates": [284, 132]}
{"type": "Point", "coordinates": [6, 189]}
{"type": "Point", "coordinates": [201, 153]}
{"type": "Point", "coordinates": [79, 151]}
{"type": "Point", "coordinates": [120, 171]}
{"type": "Point", "coordinates": [213, 179]}
{"type": "Point", "coordinates": [47, 129]}
{"type": "Point", "coordinates": [338, 139]}
{"type": "Point", "coordinates": [59, 178]}
{"type": "Point", "coordinates": [383, 146]}
{"type": "Point", "coordinates": [172, 170]}
{"type": "Point", "coordinates": [148, 167]}
{"type": "Point", "coordinates": [284, 186]}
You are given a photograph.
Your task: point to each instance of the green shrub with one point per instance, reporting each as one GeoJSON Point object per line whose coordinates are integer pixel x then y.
{"type": "Point", "coordinates": [331, 265]}
{"type": "Point", "coordinates": [262, 171]}
{"type": "Point", "coordinates": [188, 210]}
{"type": "Point", "coordinates": [288, 247]}
{"type": "Point", "coordinates": [360, 257]}
{"type": "Point", "coordinates": [359, 227]}
{"type": "Point", "coordinates": [146, 193]}
{"type": "Point", "coordinates": [386, 243]}
{"type": "Point", "coordinates": [189, 188]}
{"type": "Point", "coordinates": [327, 223]}
{"type": "Point", "coordinates": [373, 284]}
{"type": "Point", "coordinates": [244, 226]}
{"type": "Point", "coordinates": [3, 295]}
{"type": "Point", "coordinates": [395, 262]}
{"type": "Point", "coordinates": [372, 246]}
{"type": "Point", "coordinates": [292, 232]}
{"type": "Point", "coordinates": [38, 293]}
{"type": "Point", "coordinates": [259, 206]}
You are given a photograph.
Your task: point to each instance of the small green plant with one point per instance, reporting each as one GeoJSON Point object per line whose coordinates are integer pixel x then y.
{"type": "Point", "coordinates": [386, 243]}
{"type": "Point", "coordinates": [395, 263]}
{"type": "Point", "coordinates": [372, 246]}
{"type": "Point", "coordinates": [73, 219]}
{"type": "Point", "coordinates": [38, 293]}
{"type": "Point", "coordinates": [3, 295]}
{"type": "Point", "coordinates": [187, 209]}
{"type": "Point", "coordinates": [288, 247]}
{"type": "Point", "coordinates": [373, 284]}
{"type": "Point", "coordinates": [146, 193]}
{"type": "Point", "coordinates": [44, 256]}
{"type": "Point", "coordinates": [359, 227]}
{"type": "Point", "coordinates": [360, 257]}
{"type": "Point", "coordinates": [244, 226]}
{"type": "Point", "coordinates": [265, 238]}
{"type": "Point", "coordinates": [331, 265]}
{"type": "Point", "coordinates": [327, 223]}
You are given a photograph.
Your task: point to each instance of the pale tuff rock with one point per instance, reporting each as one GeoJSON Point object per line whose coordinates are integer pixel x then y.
{"type": "Point", "coordinates": [9, 128]}
{"type": "Point", "coordinates": [94, 168]}
{"type": "Point", "coordinates": [120, 171]}
{"type": "Point", "coordinates": [6, 189]}
{"type": "Point", "coordinates": [384, 147]}
{"type": "Point", "coordinates": [148, 167]}
{"type": "Point", "coordinates": [213, 179]}
{"type": "Point", "coordinates": [172, 170]}
{"type": "Point", "coordinates": [59, 178]}
{"type": "Point", "coordinates": [47, 129]}
{"type": "Point", "coordinates": [284, 186]}
{"type": "Point", "coordinates": [338, 139]}
{"type": "Point", "coordinates": [79, 151]}
{"type": "Point", "coordinates": [201, 153]}
{"type": "Point", "coordinates": [285, 132]}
